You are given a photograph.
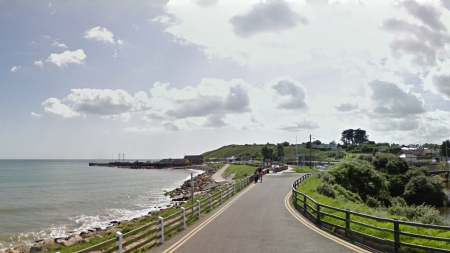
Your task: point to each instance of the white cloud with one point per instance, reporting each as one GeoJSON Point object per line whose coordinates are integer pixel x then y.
{"type": "Point", "coordinates": [57, 44]}
{"type": "Point", "coordinates": [100, 34]}
{"type": "Point", "coordinates": [15, 68]}
{"type": "Point", "coordinates": [40, 64]}
{"type": "Point", "coordinates": [35, 115]}
{"type": "Point", "coordinates": [75, 57]}
{"type": "Point", "coordinates": [120, 42]}
{"type": "Point", "coordinates": [49, 5]}
{"type": "Point", "coordinates": [54, 106]}
{"type": "Point", "coordinates": [169, 20]}
{"type": "Point", "coordinates": [115, 53]}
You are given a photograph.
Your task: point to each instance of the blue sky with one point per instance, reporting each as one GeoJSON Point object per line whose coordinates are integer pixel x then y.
{"type": "Point", "coordinates": [166, 78]}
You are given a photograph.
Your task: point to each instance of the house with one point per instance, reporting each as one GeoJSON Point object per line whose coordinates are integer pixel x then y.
{"type": "Point", "coordinates": [231, 159]}
{"type": "Point", "coordinates": [414, 151]}
{"type": "Point", "coordinates": [409, 157]}
{"type": "Point", "coordinates": [383, 148]}
{"type": "Point", "coordinates": [194, 159]}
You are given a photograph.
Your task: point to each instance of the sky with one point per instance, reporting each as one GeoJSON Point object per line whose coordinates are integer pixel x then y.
{"type": "Point", "coordinates": [164, 79]}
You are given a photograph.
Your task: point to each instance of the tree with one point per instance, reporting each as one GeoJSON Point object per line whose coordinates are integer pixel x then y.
{"type": "Point", "coordinates": [357, 136]}
{"type": "Point", "coordinates": [285, 144]}
{"type": "Point", "coordinates": [347, 136]}
{"type": "Point", "coordinates": [360, 136]}
{"type": "Point", "coordinates": [317, 142]}
{"type": "Point", "coordinates": [266, 152]}
{"type": "Point", "coordinates": [443, 149]}
{"type": "Point", "coordinates": [332, 143]}
{"type": "Point", "coordinates": [280, 150]}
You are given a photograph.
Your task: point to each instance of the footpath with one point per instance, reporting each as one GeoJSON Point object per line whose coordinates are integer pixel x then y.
{"type": "Point", "coordinates": [255, 220]}
{"type": "Point", "coordinates": [218, 175]}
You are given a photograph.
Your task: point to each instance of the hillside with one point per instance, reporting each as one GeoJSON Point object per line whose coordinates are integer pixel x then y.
{"type": "Point", "coordinates": [255, 150]}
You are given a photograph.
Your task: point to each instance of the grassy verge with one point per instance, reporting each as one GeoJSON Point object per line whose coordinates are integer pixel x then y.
{"type": "Point", "coordinates": [239, 171]}
{"type": "Point", "coordinates": [309, 187]}
{"type": "Point", "coordinates": [304, 169]}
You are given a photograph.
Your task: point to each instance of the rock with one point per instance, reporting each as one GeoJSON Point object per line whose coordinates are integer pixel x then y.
{"type": "Point", "coordinates": [85, 241]}
{"type": "Point", "coordinates": [11, 251]}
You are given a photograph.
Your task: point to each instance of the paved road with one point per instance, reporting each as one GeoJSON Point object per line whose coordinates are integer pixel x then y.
{"type": "Point", "coordinates": [256, 221]}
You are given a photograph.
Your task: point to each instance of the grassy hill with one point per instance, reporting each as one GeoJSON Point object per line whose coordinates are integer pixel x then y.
{"type": "Point", "coordinates": [254, 149]}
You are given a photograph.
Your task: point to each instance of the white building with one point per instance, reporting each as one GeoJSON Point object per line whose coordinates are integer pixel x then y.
{"type": "Point", "coordinates": [409, 157]}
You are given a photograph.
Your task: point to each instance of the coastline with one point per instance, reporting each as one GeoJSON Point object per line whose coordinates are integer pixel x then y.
{"type": "Point", "coordinates": [202, 181]}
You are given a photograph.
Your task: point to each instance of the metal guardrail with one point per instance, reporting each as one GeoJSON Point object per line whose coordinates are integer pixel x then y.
{"type": "Point", "coordinates": [154, 233]}
{"type": "Point", "coordinates": [344, 222]}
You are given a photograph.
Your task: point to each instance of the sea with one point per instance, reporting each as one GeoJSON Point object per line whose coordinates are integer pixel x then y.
{"type": "Point", "coordinates": [54, 198]}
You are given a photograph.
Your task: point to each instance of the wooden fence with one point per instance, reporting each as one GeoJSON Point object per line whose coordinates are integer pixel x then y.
{"type": "Point", "coordinates": [154, 232]}
{"type": "Point", "coordinates": [345, 223]}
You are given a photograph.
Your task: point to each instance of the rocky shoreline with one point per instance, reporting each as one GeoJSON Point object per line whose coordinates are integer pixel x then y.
{"type": "Point", "coordinates": [203, 183]}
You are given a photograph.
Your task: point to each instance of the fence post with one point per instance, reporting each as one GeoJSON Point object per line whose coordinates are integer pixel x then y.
{"type": "Point", "coordinates": [305, 206]}
{"type": "Point", "coordinates": [118, 242]}
{"type": "Point", "coordinates": [220, 196]}
{"type": "Point", "coordinates": [210, 202]}
{"type": "Point", "coordinates": [318, 213]}
{"type": "Point", "coordinates": [161, 227]}
{"type": "Point", "coordinates": [234, 188]}
{"type": "Point", "coordinates": [396, 235]}
{"type": "Point", "coordinates": [198, 209]}
{"type": "Point", "coordinates": [183, 215]}
{"type": "Point", "coordinates": [228, 191]}
{"type": "Point", "coordinates": [347, 222]}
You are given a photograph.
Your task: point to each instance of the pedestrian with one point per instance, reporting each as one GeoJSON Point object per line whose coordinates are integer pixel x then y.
{"type": "Point", "coordinates": [261, 175]}
{"type": "Point", "coordinates": [255, 176]}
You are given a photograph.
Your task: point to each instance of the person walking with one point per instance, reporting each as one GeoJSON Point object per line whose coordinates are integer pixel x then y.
{"type": "Point", "coordinates": [261, 175]}
{"type": "Point", "coordinates": [255, 176]}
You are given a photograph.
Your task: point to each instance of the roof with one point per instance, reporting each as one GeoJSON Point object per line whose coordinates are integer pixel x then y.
{"type": "Point", "coordinates": [408, 156]}
{"type": "Point", "coordinates": [193, 157]}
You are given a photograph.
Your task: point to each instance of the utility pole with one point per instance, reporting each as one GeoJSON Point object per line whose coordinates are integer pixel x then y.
{"type": "Point", "coordinates": [123, 157]}
{"type": "Point", "coordinates": [296, 151]}
{"type": "Point", "coordinates": [310, 157]}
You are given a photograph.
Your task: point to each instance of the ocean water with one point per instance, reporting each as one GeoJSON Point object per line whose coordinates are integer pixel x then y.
{"type": "Point", "coordinates": [51, 198]}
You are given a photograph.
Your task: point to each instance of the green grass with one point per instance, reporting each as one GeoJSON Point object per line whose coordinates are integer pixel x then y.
{"type": "Point", "coordinates": [309, 188]}
{"type": "Point", "coordinates": [304, 169]}
{"type": "Point", "coordinates": [240, 171]}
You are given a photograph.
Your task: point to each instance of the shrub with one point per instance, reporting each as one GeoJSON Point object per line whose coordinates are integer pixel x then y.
{"type": "Point", "coordinates": [346, 194]}
{"type": "Point", "coordinates": [419, 213]}
{"type": "Point", "coordinates": [425, 190]}
{"type": "Point", "coordinates": [372, 202]}
{"type": "Point", "coordinates": [325, 189]}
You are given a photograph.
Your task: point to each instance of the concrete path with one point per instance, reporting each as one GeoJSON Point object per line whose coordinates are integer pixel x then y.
{"type": "Point", "coordinates": [218, 175]}
{"type": "Point", "coordinates": [256, 220]}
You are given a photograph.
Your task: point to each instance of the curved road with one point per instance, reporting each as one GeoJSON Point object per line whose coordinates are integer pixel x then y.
{"type": "Point", "coordinates": [255, 221]}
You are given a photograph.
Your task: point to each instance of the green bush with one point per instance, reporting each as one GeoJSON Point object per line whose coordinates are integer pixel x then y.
{"type": "Point", "coordinates": [346, 194]}
{"type": "Point", "coordinates": [372, 202]}
{"type": "Point", "coordinates": [425, 190]}
{"type": "Point", "coordinates": [418, 213]}
{"type": "Point", "coordinates": [325, 189]}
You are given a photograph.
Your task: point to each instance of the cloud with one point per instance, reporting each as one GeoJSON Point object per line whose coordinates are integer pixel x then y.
{"type": "Point", "coordinates": [271, 16]}
{"type": "Point", "coordinates": [171, 127]}
{"type": "Point", "coordinates": [395, 125]}
{"type": "Point", "coordinates": [346, 107]}
{"type": "Point", "coordinates": [120, 42]}
{"type": "Point", "coordinates": [426, 13]}
{"type": "Point", "coordinates": [54, 106]}
{"type": "Point", "coordinates": [442, 84]}
{"type": "Point", "coordinates": [15, 68]}
{"type": "Point", "coordinates": [75, 57]}
{"type": "Point", "coordinates": [206, 2]}
{"type": "Point", "coordinates": [165, 19]}
{"type": "Point", "coordinates": [298, 126]}
{"type": "Point", "coordinates": [236, 101]}
{"type": "Point", "coordinates": [214, 122]}
{"type": "Point", "coordinates": [291, 96]}
{"type": "Point", "coordinates": [100, 34]}
{"type": "Point", "coordinates": [57, 44]}
{"type": "Point", "coordinates": [49, 5]}
{"type": "Point", "coordinates": [111, 104]}
{"type": "Point", "coordinates": [389, 100]}
{"type": "Point", "coordinates": [35, 115]}
{"type": "Point", "coordinates": [40, 64]}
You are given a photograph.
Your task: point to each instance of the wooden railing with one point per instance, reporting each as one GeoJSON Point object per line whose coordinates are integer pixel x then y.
{"type": "Point", "coordinates": [344, 222]}
{"type": "Point", "coordinates": [154, 232]}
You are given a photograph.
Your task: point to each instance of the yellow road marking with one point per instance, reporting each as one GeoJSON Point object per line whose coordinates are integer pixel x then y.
{"type": "Point", "coordinates": [206, 222]}
{"type": "Point", "coordinates": [317, 230]}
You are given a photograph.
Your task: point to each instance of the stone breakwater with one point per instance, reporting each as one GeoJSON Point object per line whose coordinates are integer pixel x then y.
{"type": "Point", "coordinates": [203, 183]}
